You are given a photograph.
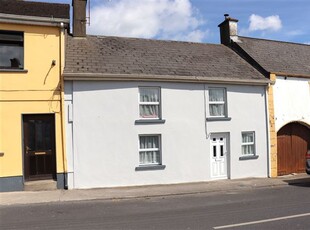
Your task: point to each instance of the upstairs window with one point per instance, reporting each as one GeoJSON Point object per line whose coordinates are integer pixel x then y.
{"type": "Point", "coordinates": [11, 50]}
{"type": "Point", "coordinates": [217, 102]}
{"type": "Point", "coordinates": [248, 144]}
{"type": "Point", "coordinates": [149, 103]}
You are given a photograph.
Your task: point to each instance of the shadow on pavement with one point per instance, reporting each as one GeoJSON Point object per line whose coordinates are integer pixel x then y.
{"type": "Point", "coordinates": [301, 182]}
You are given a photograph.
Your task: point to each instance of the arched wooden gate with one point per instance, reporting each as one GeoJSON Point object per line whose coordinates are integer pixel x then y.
{"type": "Point", "coordinates": [293, 143]}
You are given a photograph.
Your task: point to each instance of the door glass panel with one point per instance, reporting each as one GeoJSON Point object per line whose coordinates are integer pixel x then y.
{"type": "Point", "coordinates": [39, 135]}
{"type": "Point", "coordinates": [214, 151]}
{"type": "Point", "coordinates": [222, 150]}
{"type": "Point", "coordinates": [47, 136]}
{"type": "Point", "coordinates": [31, 136]}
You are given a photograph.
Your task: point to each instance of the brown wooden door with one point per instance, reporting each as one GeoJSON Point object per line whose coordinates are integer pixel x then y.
{"type": "Point", "coordinates": [293, 143]}
{"type": "Point", "coordinates": [39, 147]}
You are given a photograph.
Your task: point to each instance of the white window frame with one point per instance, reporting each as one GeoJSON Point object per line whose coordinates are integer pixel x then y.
{"type": "Point", "coordinates": [248, 143]}
{"type": "Point", "coordinates": [218, 102]}
{"type": "Point", "coordinates": [151, 103]}
{"type": "Point", "coordinates": [151, 149]}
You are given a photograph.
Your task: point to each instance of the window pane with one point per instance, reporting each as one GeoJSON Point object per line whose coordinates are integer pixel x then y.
{"type": "Point", "coordinates": [147, 142]}
{"type": "Point", "coordinates": [149, 111]}
{"type": "Point", "coordinates": [217, 110]}
{"type": "Point", "coordinates": [11, 56]}
{"type": "Point", "coordinates": [216, 95]}
{"type": "Point", "coordinates": [149, 157]}
{"type": "Point", "coordinates": [11, 36]}
{"type": "Point", "coordinates": [247, 138]}
{"type": "Point", "coordinates": [149, 95]}
{"type": "Point", "coordinates": [248, 150]}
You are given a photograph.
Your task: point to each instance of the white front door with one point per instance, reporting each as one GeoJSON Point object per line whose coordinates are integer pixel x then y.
{"type": "Point", "coordinates": [219, 156]}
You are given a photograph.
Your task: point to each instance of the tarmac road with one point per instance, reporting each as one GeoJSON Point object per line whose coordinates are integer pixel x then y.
{"type": "Point", "coordinates": [283, 207]}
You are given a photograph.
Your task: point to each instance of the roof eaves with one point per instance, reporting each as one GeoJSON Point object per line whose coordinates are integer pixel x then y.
{"type": "Point", "coordinates": [23, 19]}
{"type": "Point", "coordinates": [283, 74]}
{"type": "Point", "coordinates": [166, 78]}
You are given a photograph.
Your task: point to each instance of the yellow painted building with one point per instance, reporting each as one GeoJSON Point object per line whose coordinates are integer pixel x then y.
{"type": "Point", "coordinates": [32, 44]}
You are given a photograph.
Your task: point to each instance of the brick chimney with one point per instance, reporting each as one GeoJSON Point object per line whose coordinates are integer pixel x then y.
{"type": "Point", "coordinates": [228, 30]}
{"type": "Point", "coordinates": [79, 18]}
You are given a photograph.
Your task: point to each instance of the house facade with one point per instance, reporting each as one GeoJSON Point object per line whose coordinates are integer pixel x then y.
{"type": "Point", "coordinates": [287, 66]}
{"type": "Point", "coordinates": [31, 61]}
{"type": "Point", "coordinates": [141, 112]}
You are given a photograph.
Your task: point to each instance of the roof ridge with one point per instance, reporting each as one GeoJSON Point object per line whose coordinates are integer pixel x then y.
{"type": "Point", "coordinates": [43, 3]}
{"type": "Point", "coordinates": [150, 39]}
{"type": "Point", "coordinates": [270, 40]}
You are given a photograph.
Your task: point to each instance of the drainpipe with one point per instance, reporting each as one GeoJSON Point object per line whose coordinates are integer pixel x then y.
{"type": "Point", "coordinates": [268, 134]}
{"type": "Point", "coordinates": [64, 158]}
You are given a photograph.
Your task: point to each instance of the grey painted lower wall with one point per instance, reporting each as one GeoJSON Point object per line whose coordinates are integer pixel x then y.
{"type": "Point", "coordinates": [62, 181]}
{"type": "Point", "coordinates": [16, 183]}
{"type": "Point", "coordinates": [9, 184]}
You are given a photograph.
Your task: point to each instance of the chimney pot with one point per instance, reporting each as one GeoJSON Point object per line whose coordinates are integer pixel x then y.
{"type": "Point", "coordinates": [228, 30]}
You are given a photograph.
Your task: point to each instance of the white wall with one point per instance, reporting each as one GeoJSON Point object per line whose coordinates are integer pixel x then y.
{"type": "Point", "coordinates": [291, 101]}
{"type": "Point", "coordinates": [103, 146]}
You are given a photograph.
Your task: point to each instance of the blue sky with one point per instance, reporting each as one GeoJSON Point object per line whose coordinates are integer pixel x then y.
{"type": "Point", "coordinates": [197, 20]}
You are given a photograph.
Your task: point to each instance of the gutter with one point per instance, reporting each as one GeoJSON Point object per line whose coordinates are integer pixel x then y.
{"type": "Point", "coordinates": [165, 78]}
{"type": "Point", "coordinates": [283, 74]}
{"type": "Point", "coordinates": [32, 20]}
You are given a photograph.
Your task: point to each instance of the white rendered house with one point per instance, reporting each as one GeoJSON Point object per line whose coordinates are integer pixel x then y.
{"type": "Point", "coordinates": [143, 112]}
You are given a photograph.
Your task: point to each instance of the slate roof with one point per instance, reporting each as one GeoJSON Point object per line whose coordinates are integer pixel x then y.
{"type": "Point", "coordinates": [39, 9]}
{"type": "Point", "coordinates": [134, 56]}
{"type": "Point", "coordinates": [277, 56]}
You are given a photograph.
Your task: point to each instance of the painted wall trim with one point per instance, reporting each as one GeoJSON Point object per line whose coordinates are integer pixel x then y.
{"type": "Point", "coordinates": [61, 180]}
{"type": "Point", "coordinates": [13, 71]}
{"type": "Point", "coordinates": [10, 184]}
{"type": "Point", "coordinates": [268, 131]}
{"type": "Point", "coordinates": [157, 121]}
{"type": "Point", "coordinates": [272, 131]}
{"type": "Point", "coordinates": [165, 78]}
{"type": "Point", "coordinates": [151, 167]}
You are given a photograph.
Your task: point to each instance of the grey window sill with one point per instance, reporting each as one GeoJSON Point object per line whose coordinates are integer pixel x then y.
{"type": "Point", "coordinates": [150, 167]}
{"type": "Point", "coordinates": [153, 121]}
{"type": "Point", "coordinates": [218, 118]}
{"type": "Point", "coordinates": [248, 158]}
{"type": "Point", "coordinates": [14, 70]}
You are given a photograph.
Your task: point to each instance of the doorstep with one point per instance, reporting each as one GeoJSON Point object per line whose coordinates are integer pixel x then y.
{"type": "Point", "coordinates": [40, 185]}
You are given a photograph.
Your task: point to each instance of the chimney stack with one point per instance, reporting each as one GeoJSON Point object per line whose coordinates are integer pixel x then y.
{"type": "Point", "coordinates": [228, 30]}
{"type": "Point", "coordinates": [79, 18]}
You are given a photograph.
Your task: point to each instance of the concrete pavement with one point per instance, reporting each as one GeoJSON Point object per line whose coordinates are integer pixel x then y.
{"type": "Point", "coordinates": [31, 197]}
